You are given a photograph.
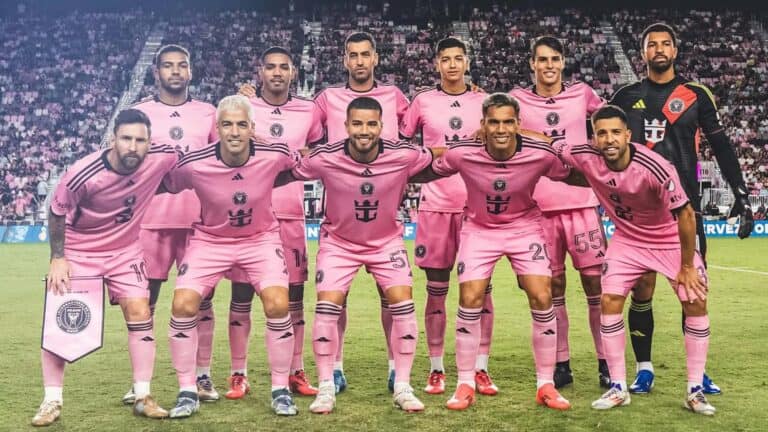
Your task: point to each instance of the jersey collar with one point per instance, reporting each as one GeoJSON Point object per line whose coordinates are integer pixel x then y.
{"type": "Point", "coordinates": [375, 84]}
{"type": "Point", "coordinates": [533, 90]}
{"type": "Point", "coordinates": [156, 98]}
{"type": "Point", "coordinates": [258, 95]}
{"type": "Point", "coordinates": [379, 151]}
{"type": "Point", "coordinates": [467, 88]}
{"type": "Point", "coordinates": [518, 149]}
{"type": "Point", "coordinates": [251, 153]}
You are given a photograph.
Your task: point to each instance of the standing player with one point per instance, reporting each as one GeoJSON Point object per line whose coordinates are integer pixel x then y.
{"type": "Point", "coordinates": [502, 219]}
{"type": "Point", "coordinates": [281, 118]}
{"type": "Point", "coordinates": [94, 230]}
{"type": "Point", "coordinates": [571, 221]}
{"type": "Point", "coordinates": [233, 179]}
{"type": "Point", "coordinates": [669, 112]}
{"type": "Point", "coordinates": [655, 232]}
{"type": "Point", "coordinates": [364, 178]}
{"type": "Point", "coordinates": [166, 228]}
{"type": "Point", "coordinates": [448, 113]}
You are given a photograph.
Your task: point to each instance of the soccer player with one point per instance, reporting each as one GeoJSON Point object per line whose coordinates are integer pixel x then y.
{"type": "Point", "coordinates": [282, 118]}
{"type": "Point", "coordinates": [655, 232]}
{"type": "Point", "coordinates": [364, 177]}
{"type": "Point", "coordinates": [448, 113]}
{"type": "Point", "coordinates": [667, 112]}
{"type": "Point", "coordinates": [94, 230]}
{"type": "Point", "coordinates": [165, 230]}
{"type": "Point", "coordinates": [502, 219]}
{"type": "Point", "coordinates": [233, 179]}
{"type": "Point", "coordinates": [571, 221]}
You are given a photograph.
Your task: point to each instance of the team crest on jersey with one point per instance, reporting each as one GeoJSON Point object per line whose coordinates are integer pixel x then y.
{"type": "Point", "coordinates": [553, 119]}
{"type": "Point", "coordinates": [499, 185]}
{"type": "Point", "coordinates": [366, 188]}
{"type": "Point", "coordinates": [319, 275]}
{"type": "Point", "coordinates": [276, 130]}
{"type": "Point", "coordinates": [176, 133]}
{"type": "Point", "coordinates": [73, 316]}
{"type": "Point", "coordinates": [455, 123]}
{"type": "Point", "coordinates": [366, 210]}
{"type": "Point", "coordinates": [421, 251]}
{"type": "Point", "coordinates": [460, 268]}
{"type": "Point", "coordinates": [655, 130]}
{"type": "Point", "coordinates": [239, 198]}
{"type": "Point", "coordinates": [676, 105]}
{"type": "Point", "coordinates": [183, 269]}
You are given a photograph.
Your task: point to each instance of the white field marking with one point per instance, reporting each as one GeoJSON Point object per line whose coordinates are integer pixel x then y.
{"type": "Point", "coordinates": [737, 269]}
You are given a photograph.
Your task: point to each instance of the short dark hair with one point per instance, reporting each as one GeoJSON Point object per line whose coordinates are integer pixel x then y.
{"type": "Point", "coordinates": [275, 50]}
{"type": "Point", "coordinates": [131, 116]}
{"type": "Point", "coordinates": [610, 111]}
{"type": "Point", "coordinates": [658, 27]}
{"type": "Point", "coordinates": [359, 37]}
{"type": "Point", "coordinates": [167, 49]}
{"type": "Point", "coordinates": [450, 42]}
{"type": "Point", "coordinates": [497, 100]}
{"type": "Point", "coordinates": [364, 103]}
{"type": "Point", "coordinates": [547, 41]}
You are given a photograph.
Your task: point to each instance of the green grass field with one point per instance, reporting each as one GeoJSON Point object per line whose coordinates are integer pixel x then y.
{"type": "Point", "coordinates": [738, 360]}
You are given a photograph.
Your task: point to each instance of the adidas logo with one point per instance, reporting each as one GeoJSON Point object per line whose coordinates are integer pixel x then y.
{"type": "Point", "coordinates": [408, 337]}
{"type": "Point", "coordinates": [235, 324]}
{"type": "Point", "coordinates": [238, 176]}
{"type": "Point", "coordinates": [300, 322]}
{"type": "Point", "coordinates": [147, 339]}
{"type": "Point", "coordinates": [462, 330]}
{"type": "Point", "coordinates": [640, 104]}
{"type": "Point", "coordinates": [550, 101]}
{"type": "Point", "coordinates": [175, 114]}
{"type": "Point", "coordinates": [131, 182]}
{"type": "Point", "coordinates": [277, 112]}
{"type": "Point", "coordinates": [456, 104]}
{"type": "Point", "coordinates": [181, 336]}
{"type": "Point", "coordinates": [637, 333]}
{"type": "Point", "coordinates": [366, 173]}
{"type": "Point", "coordinates": [549, 332]}
{"type": "Point", "coordinates": [206, 318]}
{"type": "Point", "coordinates": [600, 255]}
{"type": "Point", "coordinates": [611, 183]}
{"type": "Point", "coordinates": [436, 312]}
{"type": "Point", "coordinates": [485, 311]}
{"type": "Point", "coordinates": [286, 335]}
{"type": "Point", "coordinates": [322, 339]}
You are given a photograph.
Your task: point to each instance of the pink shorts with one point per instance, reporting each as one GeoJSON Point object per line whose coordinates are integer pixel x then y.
{"type": "Point", "coordinates": [479, 251]}
{"type": "Point", "coordinates": [437, 239]}
{"type": "Point", "coordinates": [294, 238]}
{"type": "Point", "coordinates": [260, 258]}
{"type": "Point", "coordinates": [337, 267]}
{"type": "Point", "coordinates": [163, 247]}
{"type": "Point", "coordinates": [578, 232]}
{"type": "Point", "coordinates": [124, 272]}
{"type": "Point", "coordinates": [625, 264]}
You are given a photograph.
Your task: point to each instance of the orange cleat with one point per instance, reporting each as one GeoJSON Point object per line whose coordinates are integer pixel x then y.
{"type": "Point", "coordinates": [238, 387]}
{"type": "Point", "coordinates": [548, 396]}
{"type": "Point", "coordinates": [300, 384]}
{"type": "Point", "coordinates": [462, 398]}
{"type": "Point", "coordinates": [484, 384]}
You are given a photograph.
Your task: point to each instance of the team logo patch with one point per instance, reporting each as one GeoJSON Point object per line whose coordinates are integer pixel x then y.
{"type": "Point", "coordinates": [553, 119]}
{"type": "Point", "coordinates": [239, 198]}
{"type": "Point", "coordinates": [421, 251]}
{"type": "Point", "coordinates": [276, 130]}
{"type": "Point", "coordinates": [183, 269]}
{"type": "Point", "coordinates": [176, 133]}
{"type": "Point", "coordinates": [671, 186]}
{"type": "Point", "coordinates": [499, 185]}
{"type": "Point", "coordinates": [460, 268]}
{"type": "Point", "coordinates": [605, 267]}
{"type": "Point", "coordinates": [130, 201]}
{"type": "Point", "coordinates": [319, 276]}
{"type": "Point", "coordinates": [655, 130]}
{"type": "Point", "coordinates": [73, 316]}
{"type": "Point", "coordinates": [366, 188]}
{"type": "Point", "coordinates": [455, 123]}
{"type": "Point", "coordinates": [676, 105]}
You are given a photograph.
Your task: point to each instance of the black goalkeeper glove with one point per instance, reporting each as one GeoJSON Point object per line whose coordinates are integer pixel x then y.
{"type": "Point", "coordinates": [742, 210]}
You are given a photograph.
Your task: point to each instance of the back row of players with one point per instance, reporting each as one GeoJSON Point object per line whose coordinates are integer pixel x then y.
{"type": "Point", "coordinates": [364, 170]}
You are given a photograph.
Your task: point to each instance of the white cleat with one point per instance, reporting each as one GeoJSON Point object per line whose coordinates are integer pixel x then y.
{"type": "Point", "coordinates": [614, 397]}
{"type": "Point", "coordinates": [129, 397]}
{"type": "Point", "coordinates": [48, 413]}
{"type": "Point", "coordinates": [697, 402]}
{"type": "Point", "coordinates": [407, 401]}
{"type": "Point", "coordinates": [325, 400]}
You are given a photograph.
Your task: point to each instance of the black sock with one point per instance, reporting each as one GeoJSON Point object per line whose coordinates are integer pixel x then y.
{"type": "Point", "coordinates": [641, 329]}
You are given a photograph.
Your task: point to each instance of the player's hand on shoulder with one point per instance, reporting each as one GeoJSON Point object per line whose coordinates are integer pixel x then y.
{"type": "Point", "coordinates": [247, 90]}
{"type": "Point", "coordinates": [58, 276]}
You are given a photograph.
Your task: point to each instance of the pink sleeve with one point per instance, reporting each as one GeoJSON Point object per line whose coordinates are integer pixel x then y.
{"type": "Point", "coordinates": [445, 165]}
{"type": "Point", "coordinates": [175, 180]}
{"type": "Point", "coordinates": [422, 159]}
{"type": "Point", "coordinates": [64, 200]}
{"type": "Point", "coordinates": [594, 102]}
{"type": "Point", "coordinates": [672, 193]}
{"type": "Point", "coordinates": [411, 120]}
{"type": "Point", "coordinates": [557, 170]}
{"type": "Point", "coordinates": [213, 135]}
{"type": "Point", "coordinates": [315, 133]}
{"type": "Point", "coordinates": [321, 109]}
{"type": "Point", "coordinates": [402, 106]}
{"type": "Point", "coordinates": [563, 151]}
{"type": "Point", "coordinates": [305, 168]}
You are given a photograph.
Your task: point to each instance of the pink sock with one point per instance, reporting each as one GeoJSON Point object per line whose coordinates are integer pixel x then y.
{"type": "Point", "coordinates": [182, 338]}
{"type": "Point", "coordinates": [593, 303]}
{"type": "Point", "coordinates": [561, 317]}
{"type": "Point", "coordinates": [141, 348]}
{"type": "Point", "coordinates": [325, 337]}
{"type": "Point", "coordinates": [614, 344]}
{"type": "Point", "coordinates": [296, 309]}
{"type": "Point", "coordinates": [279, 339]}
{"type": "Point", "coordinates": [239, 332]}
{"type": "Point", "coordinates": [205, 324]}
{"type": "Point", "coordinates": [486, 323]}
{"type": "Point", "coordinates": [53, 369]}
{"type": "Point", "coordinates": [386, 321]}
{"type": "Point", "coordinates": [467, 342]}
{"type": "Point", "coordinates": [434, 317]}
{"type": "Point", "coordinates": [405, 334]}
{"type": "Point", "coordinates": [544, 338]}
{"type": "Point", "coordinates": [341, 329]}
{"type": "Point", "coordinates": [696, 346]}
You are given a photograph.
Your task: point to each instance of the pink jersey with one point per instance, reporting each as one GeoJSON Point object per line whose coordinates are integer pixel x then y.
{"type": "Point", "coordinates": [444, 118]}
{"type": "Point", "coordinates": [291, 123]}
{"type": "Point", "coordinates": [235, 201]}
{"type": "Point", "coordinates": [563, 115]}
{"type": "Point", "coordinates": [499, 193]}
{"type": "Point", "coordinates": [103, 208]}
{"type": "Point", "coordinates": [332, 105]}
{"type": "Point", "coordinates": [362, 199]}
{"type": "Point", "coordinates": [640, 199]}
{"type": "Point", "coordinates": [187, 127]}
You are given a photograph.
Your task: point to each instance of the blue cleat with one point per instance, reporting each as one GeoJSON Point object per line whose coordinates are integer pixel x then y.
{"type": "Point", "coordinates": [643, 382]}
{"type": "Point", "coordinates": [710, 387]}
{"type": "Point", "coordinates": [391, 381]}
{"type": "Point", "coordinates": [187, 403]}
{"type": "Point", "coordinates": [339, 380]}
{"type": "Point", "coordinates": [282, 403]}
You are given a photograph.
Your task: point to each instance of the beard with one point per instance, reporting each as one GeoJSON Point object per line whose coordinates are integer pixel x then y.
{"type": "Point", "coordinates": [660, 67]}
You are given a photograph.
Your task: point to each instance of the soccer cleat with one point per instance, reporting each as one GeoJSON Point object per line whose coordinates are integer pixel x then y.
{"type": "Point", "coordinates": [462, 398]}
{"type": "Point", "coordinates": [339, 380]}
{"type": "Point", "coordinates": [205, 390]}
{"type": "Point", "coordinates": [697, 402]}
{"type": "Point", "coordinates": [187, 404]}
{"type": "Point", "coordinates": [484, 384]}
{"type": "Point", "coordinates": [299, 384]}
{"type": "Point", "coordinates": [710, 387]}
{"type": "Point", "coordinates": [615, 396]}
{"type": "Point", "coordinates": [129, 397]}
{"type": "Point", "coordinates": [282, 403]}
{"type": "Point", "coordinates": [148, 407]}
{"type": "Point", "coordinates": [549, 397]}
{"type": "Point", "coordinates": [391, 381]}
{"type": "Point", "coordinates": [435, 383]}
{"type": "Point", "coordinates": [407, 401]}
{"type": "Point", "coordinates": [48, 413]}
{"type": "Point", "coordinates": [603, 376]}
{"type": "Point", "coordinates": [643, 382]}
{"type": "Point", "coordinates": [238, 386]}
{"type": "Point", "coordinates": [563, 375]}
{"type": "Point", "coordinates": [325, 400]}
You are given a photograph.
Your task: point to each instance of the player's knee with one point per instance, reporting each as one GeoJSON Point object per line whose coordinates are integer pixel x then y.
{"type": "Point", "coordinates": [275, 302]}
{"type": "Point", "coordinates": [296, 292]}
{"type": "Point", "coordinates": [135, 309]}
{"type": "Point", "coordinates": [558, 285]}
{"type": "Point", "coordinates": [591, 285]}
{"type": "Point", "coordinates": [186, 303]}
{"type": "Point", "coordinates": [643, 289]}
{"type": "Point", "coordinates": [472, 296]}
{"type": "Point", "coordinates": [242, 292]}
{"type": "Point", "coordinates": [540, 299]}
{"type": "Point", "coordinates": [612, 303]}
{"type": "Point", "coordinates": [697, 308]}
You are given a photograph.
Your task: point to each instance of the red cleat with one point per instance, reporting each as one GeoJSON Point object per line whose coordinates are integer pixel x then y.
{"type": "Point", "coordinates": [484, 384]}
{"type": "Point", "coordinates": [238, 387]}
{"type": "Point", "coordinates": [435, 383]}
{"type": "Point", "coordinates": [300, 384]}
{"type": "Point", "coordinates": [548, 396]}
{"type": "Point", "coordinates": [462, 398]}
